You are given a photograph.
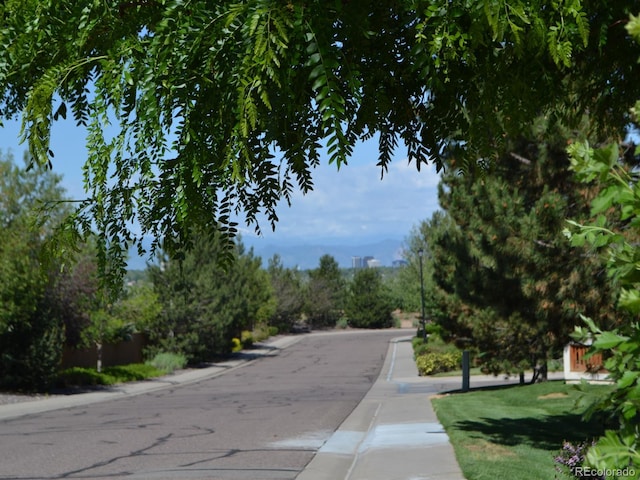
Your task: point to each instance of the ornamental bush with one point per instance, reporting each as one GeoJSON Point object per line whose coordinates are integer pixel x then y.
{"type": "Point", "coordinates": [433, 344]}
{"type": "Point", "coordinates": [246, 339]}
{"type": "Point", "coordinates": [432, 363]}
{"type": "Point", "coordinates": [236, 345]}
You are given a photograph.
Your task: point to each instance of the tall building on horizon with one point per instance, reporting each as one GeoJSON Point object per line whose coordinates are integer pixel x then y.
{"type": "Point", "coordinates": [373, 263]}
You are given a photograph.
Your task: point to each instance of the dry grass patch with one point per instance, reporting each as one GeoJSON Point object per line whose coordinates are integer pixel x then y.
{"type": "Point", "coordinates": [553, 395]}
{"type": "Point", "coordinates": [483, 449]}
{"type": "Point", "coordinates": [438, 395]}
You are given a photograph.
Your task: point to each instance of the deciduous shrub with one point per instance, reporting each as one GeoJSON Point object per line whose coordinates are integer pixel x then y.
{"type": "Point", "coordinates": [431, 363]}
{"type": "Point", "coordinates": [433, 329]}
{"type": "Point", "coordinates": [416, 342]}
{"type": "Point", "coordinates": [236, 345]}
{"type": "Point", "coordinates": [421, 349]}
{"type": "Point", "coordinates": [434, 344]}
{"type": "Point", "coordinates": [246, 339]}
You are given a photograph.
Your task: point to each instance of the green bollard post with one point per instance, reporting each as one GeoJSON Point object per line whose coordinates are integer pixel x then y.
{"type": "Point", "coordinates": [465, 371]}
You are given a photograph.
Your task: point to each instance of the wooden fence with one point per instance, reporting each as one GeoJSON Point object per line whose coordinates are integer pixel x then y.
{"type": "Point", "coordinates": [121, 353]}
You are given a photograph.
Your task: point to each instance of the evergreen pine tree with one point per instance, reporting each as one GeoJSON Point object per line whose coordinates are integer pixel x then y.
{"type": "Point", "coordinates": [326, 293]}
{"type": "Point", "coordinates": [369, 303]}
{"type": "Point", "coordinates": [514, 288]}
{"type": "Point", "coordinates": [205, 306]}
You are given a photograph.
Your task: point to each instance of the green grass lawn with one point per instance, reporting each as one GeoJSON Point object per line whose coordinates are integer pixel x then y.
{"type": "Point", "coordinates": [514, 432]}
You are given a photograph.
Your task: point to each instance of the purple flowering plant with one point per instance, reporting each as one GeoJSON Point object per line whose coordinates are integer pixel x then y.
{"type": "Point", "coordinates": [571, 458]}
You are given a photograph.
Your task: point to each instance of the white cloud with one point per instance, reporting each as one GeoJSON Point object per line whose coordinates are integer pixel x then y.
{"type": "Point", "coordinates": [355, 204]}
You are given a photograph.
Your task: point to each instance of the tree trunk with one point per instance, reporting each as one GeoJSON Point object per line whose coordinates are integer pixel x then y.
{"type": "Point", "coordinates": [540, 373]}
{"type": "Point", "coordinates": [544, 370]}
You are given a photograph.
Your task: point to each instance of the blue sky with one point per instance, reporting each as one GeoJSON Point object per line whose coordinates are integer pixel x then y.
{"type": "Point", "coordinates": [347, 207]}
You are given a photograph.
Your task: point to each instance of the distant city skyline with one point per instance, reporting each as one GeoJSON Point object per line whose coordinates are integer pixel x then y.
{"type": "Point", "coordinates": [384, 253]}
{"type": "Point", "coordinates": [368, 261]}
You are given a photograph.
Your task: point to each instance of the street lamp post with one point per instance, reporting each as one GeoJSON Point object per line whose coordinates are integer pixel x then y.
{"type": "Point", "coordinates": [423, 320]}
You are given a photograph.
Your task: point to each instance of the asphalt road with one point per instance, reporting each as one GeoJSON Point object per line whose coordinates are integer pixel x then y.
{"type": "Point", "coordinates": [264, 420]}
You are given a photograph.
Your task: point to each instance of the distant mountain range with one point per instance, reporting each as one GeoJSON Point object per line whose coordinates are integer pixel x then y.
{"type": "Point", "coordinates": [305, 257]}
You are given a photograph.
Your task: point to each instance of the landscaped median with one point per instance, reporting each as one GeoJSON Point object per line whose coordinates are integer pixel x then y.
{"type": "Point", "coordinates": [516, 432]}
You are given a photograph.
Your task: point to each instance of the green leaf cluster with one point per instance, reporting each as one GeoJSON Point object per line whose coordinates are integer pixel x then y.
{"type": "Point", "coordinates": [197, 113]}
{"type": "Point", "coordinates": [619, 197]}
{"type": "Point", "coordinates": [617, 449]}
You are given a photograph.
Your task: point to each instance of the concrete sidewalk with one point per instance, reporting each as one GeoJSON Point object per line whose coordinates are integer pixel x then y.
{"type": "Point", "coordinates": [393, 434]}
